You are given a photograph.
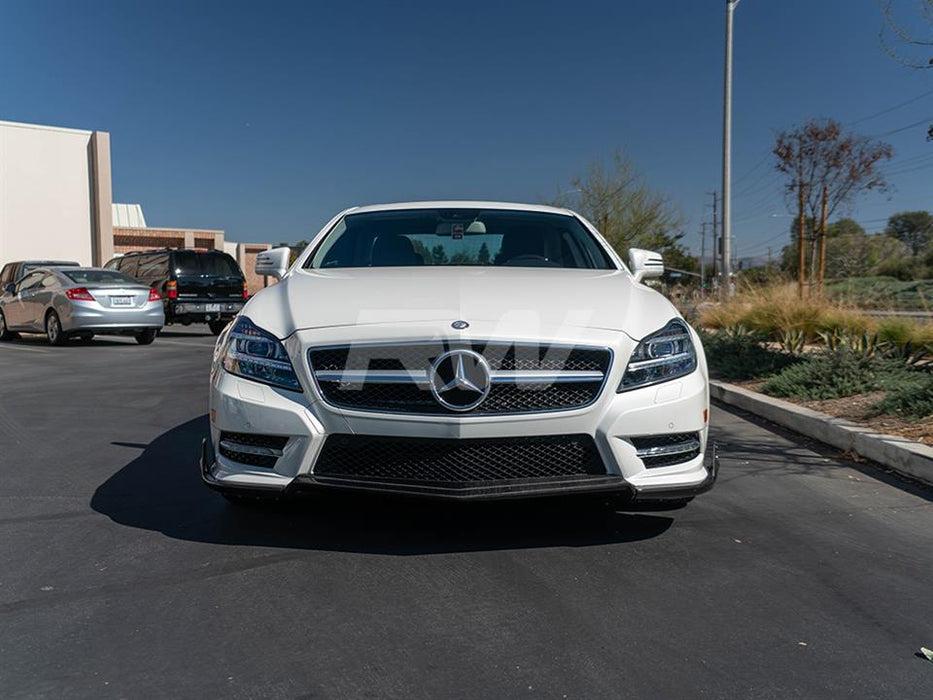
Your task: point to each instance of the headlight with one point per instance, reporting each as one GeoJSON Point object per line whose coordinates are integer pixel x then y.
{"type": "Point", "coordinates": [660, 357]}
{"type": "Point", "coordinates": [256, 354]}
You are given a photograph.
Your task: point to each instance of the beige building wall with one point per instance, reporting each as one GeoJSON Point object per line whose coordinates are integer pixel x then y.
{"type": "Point", "coordinates": [55, 194]}
{"type": "Point", "coordinates": [126, 239]}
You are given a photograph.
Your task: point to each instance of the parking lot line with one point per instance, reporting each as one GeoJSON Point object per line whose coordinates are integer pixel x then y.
{"type": "Point", "coordinates": [26, 348]}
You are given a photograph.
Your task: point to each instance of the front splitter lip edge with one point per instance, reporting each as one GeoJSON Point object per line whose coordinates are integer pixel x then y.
{"type": "Point", "coordinates": [514, 489]}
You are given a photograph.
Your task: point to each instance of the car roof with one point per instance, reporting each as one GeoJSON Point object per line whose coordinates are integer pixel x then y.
{"type": "Point", "coordinates": [461, 204]}
{"type": "Point", "coordinates": [48, 263]}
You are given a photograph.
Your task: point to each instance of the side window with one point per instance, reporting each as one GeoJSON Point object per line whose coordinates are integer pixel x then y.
{"type": "Point", "coordinates": [6, 274]}
{"type": "Point", "coordinates": [113, 264]}
{"type": "Point", "coordinates": [29, 281]}
{"type": "Point", "coordinates": [128, 265]}
{"type": "Point", "coordinates": [49, 281]}
{"type": "Point", "coordinates": [153, 265]}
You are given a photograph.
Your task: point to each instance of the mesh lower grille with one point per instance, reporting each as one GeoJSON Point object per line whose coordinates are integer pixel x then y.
{"type": "Point", "coordinates": [458, 461]}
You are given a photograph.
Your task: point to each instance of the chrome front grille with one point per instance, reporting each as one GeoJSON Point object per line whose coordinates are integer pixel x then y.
{"type": "Point", "coordinates": [397, 378]}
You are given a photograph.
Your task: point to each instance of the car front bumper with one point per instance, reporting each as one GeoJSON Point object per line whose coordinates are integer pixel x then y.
{"type": "Point", "coordinates": [239, 405]}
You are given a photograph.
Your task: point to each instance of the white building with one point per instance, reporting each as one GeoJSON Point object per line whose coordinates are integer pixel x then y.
{"type": "Point", "coordinates": [55, 194]}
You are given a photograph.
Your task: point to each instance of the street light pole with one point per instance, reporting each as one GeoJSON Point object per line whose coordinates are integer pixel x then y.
{"type": "Point", "coordinates": [726, 288]}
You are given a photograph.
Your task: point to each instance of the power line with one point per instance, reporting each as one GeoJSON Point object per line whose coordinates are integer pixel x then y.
{"type": "Point", "coordinates": [923, 121]}
{"type": "Point", "coordinates": [892, 109]}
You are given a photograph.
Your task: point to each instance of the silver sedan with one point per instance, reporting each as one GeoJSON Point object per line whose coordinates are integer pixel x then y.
{"type": "Point", "coordinates": [79, 302]}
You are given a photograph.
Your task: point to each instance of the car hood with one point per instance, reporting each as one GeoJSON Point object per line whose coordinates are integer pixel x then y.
{"type": "Point", "coordinates": [601, 299]}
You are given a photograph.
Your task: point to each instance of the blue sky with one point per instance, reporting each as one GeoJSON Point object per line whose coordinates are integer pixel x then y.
{"type": "Point", "coordinates": [265, 119]}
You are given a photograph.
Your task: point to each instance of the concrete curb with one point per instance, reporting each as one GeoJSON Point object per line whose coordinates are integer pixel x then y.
{"type": "Point", "coordinates": [904, 456]}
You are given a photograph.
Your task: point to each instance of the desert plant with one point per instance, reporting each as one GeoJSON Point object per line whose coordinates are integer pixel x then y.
{"type": "Point", "coordinates": [793, 341]}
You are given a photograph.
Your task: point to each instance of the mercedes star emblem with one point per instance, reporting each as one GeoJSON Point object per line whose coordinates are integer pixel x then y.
{"type": "Point", "coordinates": [460, 380]}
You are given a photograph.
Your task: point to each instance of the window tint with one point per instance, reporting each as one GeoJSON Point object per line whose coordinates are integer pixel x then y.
{"type": "Point", "coordinates": [113, 264]}
{"type": "Point", "coordinates": [97, 276]}
{"type": "Point", "coordinates": [127, 265]}
{"type": "Point", "coordinates": [6, 274]}
{"type": "Point", "coordinates": [460, 237]}
{"type": "Point", "coordinates": [155, 265]}
{"type": "Point", "coordinates": [213, 264]}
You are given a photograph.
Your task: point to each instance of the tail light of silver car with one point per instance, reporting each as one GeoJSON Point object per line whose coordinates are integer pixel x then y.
{"type": "Point", "coordinates": [79, 294]}
{"type": "Point", "coordinates": [154, 294]}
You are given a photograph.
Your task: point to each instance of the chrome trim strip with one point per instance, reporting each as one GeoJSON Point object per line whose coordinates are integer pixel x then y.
{"type": "Point", "coordinates": [420, 377]}
{"type": "Point", "coordinates": [532, 376]}
{"type": "Point", "coordinates": [691, 445]}
{"type": "Point", "coordinates": [643, 364]}
{"type": "Point", "coordinates": [374, 376]}
{"type": "Point", "coordinates": [250, 449]}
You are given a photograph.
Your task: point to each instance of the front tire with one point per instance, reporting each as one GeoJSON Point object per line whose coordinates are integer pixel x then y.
{"type": "Point", "coordinates": [217, 327]}
{"type": "Point", "coordinates": [53, 329]}
{"type": "Point", "coordinates": [147, 336]}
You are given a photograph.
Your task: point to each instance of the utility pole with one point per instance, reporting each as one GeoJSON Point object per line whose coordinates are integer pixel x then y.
{"type": "Point", "coordinates": [703, 259]}
{"type": "Point", "coordinates": [823, 218]}
{"type": "Point", "coordinates": [727, 157]}
{"type": "Point", "coordinates": [717, 238]}
{"type": "Point", "coordinates": [801, 239]}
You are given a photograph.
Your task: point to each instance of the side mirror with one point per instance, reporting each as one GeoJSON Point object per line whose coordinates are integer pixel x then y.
{"type": "Point", "coordinates": [273, 263]}
{"type": "Point", "coordinates": [9, 288]}
{"type": "Point", "coordinates": [645, 264]}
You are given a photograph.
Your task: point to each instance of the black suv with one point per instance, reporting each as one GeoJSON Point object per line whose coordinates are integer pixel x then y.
{"type": "Point", "coordinates": [197, 286]}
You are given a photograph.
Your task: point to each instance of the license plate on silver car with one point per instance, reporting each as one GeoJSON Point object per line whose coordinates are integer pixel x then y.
{"type": "Point", "coordinates": [121, 301]}
{"type": "Point", "coordinates": [212, 308]}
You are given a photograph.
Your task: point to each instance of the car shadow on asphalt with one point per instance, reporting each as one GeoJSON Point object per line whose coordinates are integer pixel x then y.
{"type": "Point", "coordinates": [161, 490]}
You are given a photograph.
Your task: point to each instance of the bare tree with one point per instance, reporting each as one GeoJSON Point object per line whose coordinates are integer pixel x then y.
{"type": "Point", "coordinates": [825, 162]}
{"type": "Point", "coordinates": [625, 209]}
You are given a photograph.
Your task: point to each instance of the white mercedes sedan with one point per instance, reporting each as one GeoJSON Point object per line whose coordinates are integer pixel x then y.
{"type": "Point", "coordinates": [463, 350]}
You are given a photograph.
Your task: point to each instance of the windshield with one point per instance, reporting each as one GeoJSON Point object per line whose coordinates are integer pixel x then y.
{"type": "Point", "coordinates": [190, 262]}
{"type": "Point", "coordinates": [98, 277]}
{"type": "Point", "coordinates": [417, 237]}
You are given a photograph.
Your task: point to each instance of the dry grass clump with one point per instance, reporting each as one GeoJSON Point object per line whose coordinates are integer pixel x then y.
{"type": "Point", "coordinates": [776, 310]}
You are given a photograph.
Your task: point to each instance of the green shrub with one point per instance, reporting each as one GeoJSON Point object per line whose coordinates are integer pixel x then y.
{"type": "Point", "coordinates": [735, 355]}
{"type": "Point", "coordinates": [909, 396]}
{"type": "Point", "coordinates": [825, 376]}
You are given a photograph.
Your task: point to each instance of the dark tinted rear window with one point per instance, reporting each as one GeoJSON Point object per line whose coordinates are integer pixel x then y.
{"type": "Point", "coordinates": [189, 262]}
{"type": "Point", "coordinates": [97, 276]}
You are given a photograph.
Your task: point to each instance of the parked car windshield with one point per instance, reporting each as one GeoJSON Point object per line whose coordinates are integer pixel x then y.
{"type": "Point", "coordinates": [213, 264]}
{"type": "Point", "coordinates": [460, 237]}
{"type": "Point", "coordinates": [98, 276]}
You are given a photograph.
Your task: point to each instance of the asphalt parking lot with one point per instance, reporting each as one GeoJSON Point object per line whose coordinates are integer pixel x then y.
{"type": "Point", "coordinates": [799, 575]}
